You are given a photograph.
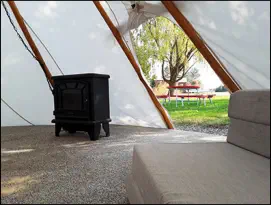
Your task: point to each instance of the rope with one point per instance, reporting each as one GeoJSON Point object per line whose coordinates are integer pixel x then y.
{"type": "Point", "coordinates": [44, 46]}
{"type": "Point", "coordinates": [25, 45]}
{"type": "Point", "coordinates": [12, 23]}
{"type": "Point", "coordinates": [16, 112]}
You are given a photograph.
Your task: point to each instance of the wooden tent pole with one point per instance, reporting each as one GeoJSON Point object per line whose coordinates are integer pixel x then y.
{"type": "Point", "coordinates": [130, 56]}
{"type": "Point", "coordinates": [30, 40]}
{"type": "Point", "coordinates": [200, 45]}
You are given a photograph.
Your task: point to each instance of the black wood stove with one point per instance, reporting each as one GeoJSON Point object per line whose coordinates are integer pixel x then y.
{"type": "Point", "coordinates": [82, 104]}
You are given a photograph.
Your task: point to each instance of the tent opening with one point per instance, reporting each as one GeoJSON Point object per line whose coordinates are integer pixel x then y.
{"type": "Point", "coordinates": [179, 75]}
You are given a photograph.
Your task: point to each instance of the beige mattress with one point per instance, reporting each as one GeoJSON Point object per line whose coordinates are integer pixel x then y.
{"type": "Point", "coordinates": [197, 173]}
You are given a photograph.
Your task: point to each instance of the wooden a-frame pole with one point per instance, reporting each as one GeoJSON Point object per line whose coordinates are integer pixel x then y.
{"type": "Point", "coordinates": [200, 45]}
{"type": "Point", "coordinates": [30, 40]}
{"type": "Point", "coordinates": [130, 56]}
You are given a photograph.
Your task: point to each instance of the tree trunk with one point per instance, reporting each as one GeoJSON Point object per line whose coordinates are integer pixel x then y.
{"type": "Point", "coordinates": [172, 91]}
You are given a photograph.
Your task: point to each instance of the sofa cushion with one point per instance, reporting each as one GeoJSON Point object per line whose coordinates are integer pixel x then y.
{"type": "Point", "coordinates": [251, 136]}
{"type": "Point", "coordinates": [250, 105]}
{"type": "Point", "coordinates": [198, 173]}
{"type": "Point", "coordinates": [249, 113]}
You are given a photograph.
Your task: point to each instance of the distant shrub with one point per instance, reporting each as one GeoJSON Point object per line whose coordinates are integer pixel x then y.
{"type": "Point", "coordinates": [152, 83]}
{"type": "Point", "coordinates": [221, 89]}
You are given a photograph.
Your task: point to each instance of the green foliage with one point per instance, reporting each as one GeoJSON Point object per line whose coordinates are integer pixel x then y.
{"type": "Point", "coordinates": [143, 56]}
{"type": "Point", "coordinates": [160, 40]}
{"type": "Point", "coordinates": [216, 114]}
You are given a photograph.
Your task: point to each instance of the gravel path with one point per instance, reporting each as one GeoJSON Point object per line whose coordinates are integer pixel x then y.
{"type": "Point", "coordinates": [209, 129]}
{"type": "Point", "coordinates": [37, 167]}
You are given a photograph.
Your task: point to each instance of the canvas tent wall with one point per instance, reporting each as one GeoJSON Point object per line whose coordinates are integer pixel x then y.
{"type": "Point", "coordinates": [239, 34]}
{"type": "Point", "coordinates": [77, 36]}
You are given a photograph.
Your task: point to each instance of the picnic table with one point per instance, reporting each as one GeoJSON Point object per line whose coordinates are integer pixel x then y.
{"type": "Point", "coordinates": [185, 87]}
{"type": "Point", "coordinates": [199, 95]}
{"type": "Point", "coordinates": [189, 95]}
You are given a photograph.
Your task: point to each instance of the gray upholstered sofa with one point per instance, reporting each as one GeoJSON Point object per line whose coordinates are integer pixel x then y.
{"type": "Point", "coordinates": [237, 171]}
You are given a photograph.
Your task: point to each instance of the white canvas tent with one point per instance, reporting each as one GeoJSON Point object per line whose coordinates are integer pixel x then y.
{"type": "Point", "coordinates": [238, 33]}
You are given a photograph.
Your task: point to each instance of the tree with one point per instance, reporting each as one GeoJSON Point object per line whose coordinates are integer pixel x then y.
{"type": "Point", "coordinates": [152, 81]}
{"type": "Point", "coordinates": [160, 40]}
{"type": "Point", "coordinates": [193, 75]}
{"type": "Point", "coordinates": [143, 56]}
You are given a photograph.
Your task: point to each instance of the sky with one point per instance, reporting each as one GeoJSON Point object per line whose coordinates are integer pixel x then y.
{"type": "Point", "coordinates": [208, 77]}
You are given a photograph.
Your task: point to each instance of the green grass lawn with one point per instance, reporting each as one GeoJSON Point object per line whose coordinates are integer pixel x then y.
{"type": "Point", "coordinates": [212, 114]}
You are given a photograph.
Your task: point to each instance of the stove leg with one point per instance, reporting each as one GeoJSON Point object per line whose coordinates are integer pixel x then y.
{"type": "Point", "coordinates": [94, 131]}
{"type": "Point", "coordinates": [57, 129]}
{"type": "Point", "coordinates": [106, 129]}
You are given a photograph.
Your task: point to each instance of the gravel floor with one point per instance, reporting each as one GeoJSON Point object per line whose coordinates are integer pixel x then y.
{"type": "Point", "coordinates": [37, 167]}
{"type": "Point", "coordinates": [210, 129]}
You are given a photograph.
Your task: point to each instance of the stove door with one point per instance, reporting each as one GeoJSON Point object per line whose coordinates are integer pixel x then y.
{"type": "Point", "coordinates": [72, 99]}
